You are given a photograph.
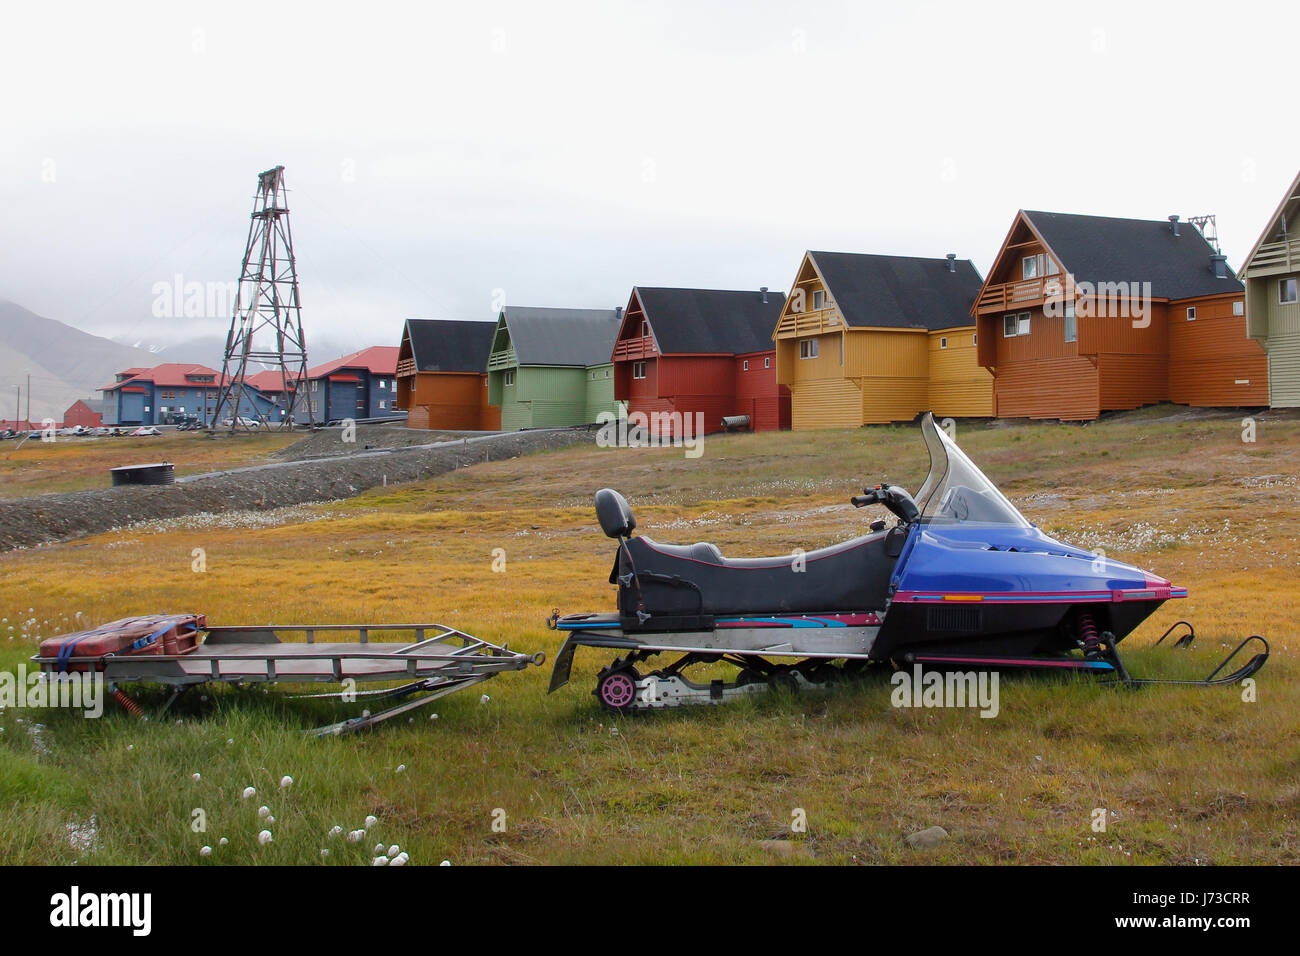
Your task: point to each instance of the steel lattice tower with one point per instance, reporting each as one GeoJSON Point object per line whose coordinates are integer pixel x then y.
{"type": "Point", "coordinates": [266, 328]}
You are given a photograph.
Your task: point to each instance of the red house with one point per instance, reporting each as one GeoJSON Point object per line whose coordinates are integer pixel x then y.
{"type": "Point", "coordinates": [86, 412]}
{"type": "Point", "coordinates": [706, 351]}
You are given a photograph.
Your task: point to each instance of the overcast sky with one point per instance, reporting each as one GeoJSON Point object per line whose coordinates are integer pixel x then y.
{"type": "Point", "coordinates": [564, 152]}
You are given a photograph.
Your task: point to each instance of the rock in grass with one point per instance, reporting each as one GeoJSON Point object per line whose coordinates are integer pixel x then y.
{"type": "Point", "coordinates": [927, 838]}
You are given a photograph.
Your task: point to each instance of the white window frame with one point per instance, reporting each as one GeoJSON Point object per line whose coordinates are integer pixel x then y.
{"type": "Point", "coordinates": [638, 369]}
{"type": "Point", "coordinates": [1191, 313]}
{"type": "Point", "coordinates": [1239, 308]}
{"type": "Point", "coordinates": [746, 365]}
{"type": "Point", "coordinates": [1031, 267]}
{"type": "Point", "coordinates": [943, 341]}
{"type": "Point", "coordinates": [645, 328]}
{"type": "Point", "coordinates": [1013, 332]}
{"type": "Point", "coordinates": [509, 377]}
{"type": "Point", "coordinates": [1071, 322]}
{"type": "Point", "coordinates": [974, 338]}
{"type": "Point", "coordinates": [1295, 291]}
{"type": "Point", "coordinates": [1022, 323]}
{"type": "Point", "coordinates": [807, 349]}
{"type": "Point", "coordinates": [767, 361]}
{"type": "Point", "coordinates": [819, 299]}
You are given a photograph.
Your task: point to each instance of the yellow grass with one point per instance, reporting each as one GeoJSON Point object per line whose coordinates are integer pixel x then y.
{"type": "Point", "coordinates": [35, 467]}
{"type": "Point", "coordinates": [1190, 775]}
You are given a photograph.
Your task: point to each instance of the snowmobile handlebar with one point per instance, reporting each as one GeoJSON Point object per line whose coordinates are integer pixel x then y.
{"type": "Point", "coordinates": [896, 499]}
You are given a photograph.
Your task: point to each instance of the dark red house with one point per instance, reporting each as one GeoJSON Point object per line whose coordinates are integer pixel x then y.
{"type": "Point", "coordinates": [700, 350]}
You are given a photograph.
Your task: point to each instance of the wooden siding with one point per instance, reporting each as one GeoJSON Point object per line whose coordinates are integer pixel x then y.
{"type": "Point", "coordinates": [758, 395]}
{"type": "Point", "coordinates": [1277, 328]}
{"type": "Point", "coordinates": [958, 386]}
{"type": "Point", "coordinates": [1064, 387]}
{"type": "Point", "coordinates": [825, 403]}
{"type": "Point", "coordinates": [598, 391]}
{"type": "Point", "coordinates": [1212, 362]}
{"type": "Point", "coordinates": [448, 400]}
{"type": "Point", "coordinates": [1131, 381]}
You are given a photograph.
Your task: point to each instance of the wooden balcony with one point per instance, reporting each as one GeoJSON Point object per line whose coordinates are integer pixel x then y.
{"type": "Point", "coordinates": [1273, 258]}
{"type": "Point", "coordinates": [638, 348]}
{"type": "Point", "coordinates": [406, 367]}
{"type": "Point", "coordinates": [503, 359]}
{"type": "Point", "coordinates": [812, 322]}
{"type": "Point", "coordinates": [1009, 296]}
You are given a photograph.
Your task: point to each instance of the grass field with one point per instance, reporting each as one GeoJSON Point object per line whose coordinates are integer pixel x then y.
{"type": "Point", "coordinates": [76, 464]}
{"type": "Point", "coordinates": [1188, 775]}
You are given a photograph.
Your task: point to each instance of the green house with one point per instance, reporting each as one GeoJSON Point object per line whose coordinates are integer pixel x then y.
{"type": "Point", "coordinates": [1272, 277]}
{"type": "Point", "coordinates": [552, 367]}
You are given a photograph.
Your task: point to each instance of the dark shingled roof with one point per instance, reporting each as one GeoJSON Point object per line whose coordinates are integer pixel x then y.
{"type": "Point", "coordinates": [448, 345]}
{"type": "Point", "coordinates": [899, 292]}
{"type": "Point", "coordinates": [711, 321]}
{"type": "Point", "coordinates": [581, 337]}
{"type": "Point", "coordinates": [1100, 249]}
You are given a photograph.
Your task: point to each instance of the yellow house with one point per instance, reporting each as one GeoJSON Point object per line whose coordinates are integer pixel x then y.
{"type": "Point", "coordinates": [865, 339]}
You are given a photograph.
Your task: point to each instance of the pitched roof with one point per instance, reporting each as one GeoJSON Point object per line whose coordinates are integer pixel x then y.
{"type": "Point", "coordinates": [573, 337]}
{"type": "Point", "coordinates": [269, 380]}
{"type": "Point", "coordinates": [169, 375]}
{"type": "Point", "coordinates": [899, 292]}
{"type": "Point", "coordinates": [1285, 216]}
{"type": "Point", "coordinates": [1103, 249]}
{"type": "Point", "coordinates": [710, 321]}
{"type": "Point", "coordinates": [378, 360]}
{"type": "Point", "coordinates": [450, 345]}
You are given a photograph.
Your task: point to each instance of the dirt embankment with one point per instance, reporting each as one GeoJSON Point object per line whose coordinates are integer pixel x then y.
{"type": "Point", "coordinates": [25, 522]}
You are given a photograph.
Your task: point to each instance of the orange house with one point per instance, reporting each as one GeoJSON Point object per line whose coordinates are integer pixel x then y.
{"type": "Point", "coordinates": [1085, 314]}
{"type": "Point", "coordinates": [442, 375]}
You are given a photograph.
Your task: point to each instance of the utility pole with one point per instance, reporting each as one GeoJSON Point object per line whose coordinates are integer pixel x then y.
{"type": "Point", "coordinates": [267, 307]}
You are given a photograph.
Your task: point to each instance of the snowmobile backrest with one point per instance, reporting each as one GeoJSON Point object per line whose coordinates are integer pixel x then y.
{"type": "Point", "coordinates": [612, 511]}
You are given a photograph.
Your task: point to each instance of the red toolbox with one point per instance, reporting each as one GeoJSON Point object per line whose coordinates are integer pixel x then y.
{"type": "Point", "coordinates": [149, 634]}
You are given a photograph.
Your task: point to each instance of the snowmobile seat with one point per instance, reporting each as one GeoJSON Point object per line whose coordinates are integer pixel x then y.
{"type": "Point", "coordinates": [697, 580]}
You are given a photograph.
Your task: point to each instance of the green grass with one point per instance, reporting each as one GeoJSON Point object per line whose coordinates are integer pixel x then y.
{"type": "Point", "coordinates": [1191, 775]}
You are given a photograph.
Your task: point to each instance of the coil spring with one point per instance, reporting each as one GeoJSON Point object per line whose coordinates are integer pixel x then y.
{"type": "Point", "coordinates": [130, 706]}
{"type": "Point", "coordinates": [1088, 635]}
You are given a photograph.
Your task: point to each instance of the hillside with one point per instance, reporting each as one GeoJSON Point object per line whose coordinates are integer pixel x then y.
{"type": "Point", "coordinates": [65, 363]}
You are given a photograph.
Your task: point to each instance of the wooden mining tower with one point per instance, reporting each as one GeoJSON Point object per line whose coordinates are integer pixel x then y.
{"type": "Point", "coordinates": [266, 328]}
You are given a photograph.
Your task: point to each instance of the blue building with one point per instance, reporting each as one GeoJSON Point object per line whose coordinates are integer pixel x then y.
{"type": "Point", "coordinates": [171, 393]}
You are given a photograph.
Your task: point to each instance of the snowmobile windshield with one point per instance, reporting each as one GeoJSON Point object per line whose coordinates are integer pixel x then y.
{"type": "Point", "coordinates": [955, 490]}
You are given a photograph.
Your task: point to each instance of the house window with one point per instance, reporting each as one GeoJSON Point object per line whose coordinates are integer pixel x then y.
{"type": "Point", "coordinates": [510, 376]}
{"type": "Point", "coordinates": [638, 369]}
{"type": "Point", "coordinates": [645, 328]}
{"type": "Point", "coordinates": [974, 338]}
{"type": "Point", "coordinates": [943, 341]}
{"type": "Point", "coordinates": [1191, 313]}
{"type": "Point", "coordinates": [1013, 324]}
{"type": "Point", "coordinates": [1031, 267]}
{"type": "Point", "coordinates": [746, 365]}
{"type": "Point", "coordinates": [819, 300]}
{"type": "Point", "coordinates": [1071, 323]}
{"type": "Point", "coordinates": [382, 403]}
{"type": "Point", "coordinates": [807, 348]}
{"type": "Point", "coordinates": [1239, 308]}
{"type": "Point", "coordinates": [1286, 291]}
{"type": "Point", "coordinates": [767, 362]}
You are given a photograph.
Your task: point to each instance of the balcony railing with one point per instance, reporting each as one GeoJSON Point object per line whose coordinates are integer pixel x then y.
{"type": "Point", "coordinates": [1280, 256]}
{"type": "Point", "coordinates": [406, 367]}
{"type": "Point", "coordinates": [1008, 296]}
{"type": "Point", "coordinates": [637, 348]}
{"type": "Point", "coordinates": [503, 359]}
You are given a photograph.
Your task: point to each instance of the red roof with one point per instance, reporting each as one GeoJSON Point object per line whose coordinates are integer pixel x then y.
{"type": "Point", "coordinates": [170, 375]}
{"type": "Point", "coordinates": [377, 360]}
{"type": "Point", "coordinates": [269, 381]}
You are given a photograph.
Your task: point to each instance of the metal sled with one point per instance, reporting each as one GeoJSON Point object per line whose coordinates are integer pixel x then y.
{"type": "Point", "coordinates": [438, 661]}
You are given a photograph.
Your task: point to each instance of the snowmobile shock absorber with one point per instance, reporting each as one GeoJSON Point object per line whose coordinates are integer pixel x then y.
{"type": "Point", "coordinates": [130, 706]}
{"type": "Point", "coordinates": [1088, 636]}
